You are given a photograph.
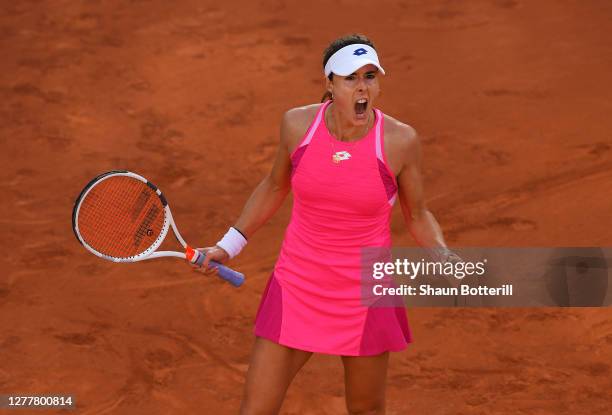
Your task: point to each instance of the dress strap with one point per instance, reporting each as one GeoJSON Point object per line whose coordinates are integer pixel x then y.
{"type": "Point", "coordinates": [315, 124]}
{"type": "Point", "coordinates": [299, 151]}
{"type": "Point", "coordinates": [386, 175]}
{"type": "Point", "coordinates": [378, 132]}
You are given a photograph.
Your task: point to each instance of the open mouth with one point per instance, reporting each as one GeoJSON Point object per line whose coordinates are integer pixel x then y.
{"type": "Point", "coordinates": [360, 106]}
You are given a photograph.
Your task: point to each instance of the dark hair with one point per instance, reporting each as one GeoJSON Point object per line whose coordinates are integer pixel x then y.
{"type": "Point", "coordinates": [338, 44]}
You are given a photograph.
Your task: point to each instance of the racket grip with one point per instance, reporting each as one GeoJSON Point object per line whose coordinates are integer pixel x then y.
{"type": "Point", "coordinates": [233, 277]}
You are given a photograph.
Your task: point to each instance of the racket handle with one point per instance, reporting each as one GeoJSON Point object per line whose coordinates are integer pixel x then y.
{"type": "Point", "coordinates": [233, 277]}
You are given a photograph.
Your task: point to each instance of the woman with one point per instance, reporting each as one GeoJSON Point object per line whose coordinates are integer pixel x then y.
{"type": "Point", "coordinates": [347, 163]}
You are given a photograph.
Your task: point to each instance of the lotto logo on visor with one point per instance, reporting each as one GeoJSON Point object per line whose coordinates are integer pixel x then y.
{"type": "Point", "coordinates": [350, 58]}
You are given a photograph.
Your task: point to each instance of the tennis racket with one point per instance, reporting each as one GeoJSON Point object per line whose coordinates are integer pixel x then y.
{"type": "Point", "coordinates": [122, 217]}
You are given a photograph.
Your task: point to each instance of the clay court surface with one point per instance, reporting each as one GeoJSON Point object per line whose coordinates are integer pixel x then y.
{"type": "Point", "coordinates": [512, 100]}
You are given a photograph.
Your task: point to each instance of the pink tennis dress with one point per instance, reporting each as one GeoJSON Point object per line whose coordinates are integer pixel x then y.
{"type": "Point", "coordinates": [313, 301]}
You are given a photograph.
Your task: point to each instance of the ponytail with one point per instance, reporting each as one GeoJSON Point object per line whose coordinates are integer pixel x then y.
{"type": "Point", "coordinates": [327, 96]}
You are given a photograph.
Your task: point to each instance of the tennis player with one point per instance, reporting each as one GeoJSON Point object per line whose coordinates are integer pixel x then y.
{"type": "Point", "coordinates": [347, 164]}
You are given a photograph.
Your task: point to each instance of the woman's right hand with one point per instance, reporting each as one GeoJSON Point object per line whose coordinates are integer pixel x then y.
{"type": "Point", "coordinates": [211, 253]}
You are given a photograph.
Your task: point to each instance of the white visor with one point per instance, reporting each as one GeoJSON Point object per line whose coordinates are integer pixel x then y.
{"type": "Point", "coordinates": [350, 58]}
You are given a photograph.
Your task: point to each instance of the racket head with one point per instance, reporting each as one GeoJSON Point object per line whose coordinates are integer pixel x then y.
{"type": "Point", "coordinates": [120, 216]}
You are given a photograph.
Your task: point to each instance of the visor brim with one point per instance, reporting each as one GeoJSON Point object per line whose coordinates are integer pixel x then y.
{"type": "Point", "coordinates": [352, 66]}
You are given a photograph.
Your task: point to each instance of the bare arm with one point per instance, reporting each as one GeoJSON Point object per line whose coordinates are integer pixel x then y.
{"type": "Point", "coordinates": [422, 224]}
{"type": "Point", "coordinates": [269, 195]}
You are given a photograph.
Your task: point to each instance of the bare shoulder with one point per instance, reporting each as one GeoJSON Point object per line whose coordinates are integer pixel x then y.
{"type": "Point", "coordinates": [295, 123]}
{"type": "Point", "coordinates": [401, 144]}
{"type": "Point", "coordinates": [301, 115]}
{"type": "Point", "coordinates": [398, 135]}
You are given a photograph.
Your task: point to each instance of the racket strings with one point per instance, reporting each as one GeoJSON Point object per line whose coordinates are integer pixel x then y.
{"type": "Point", "coordinates": [120, 217]}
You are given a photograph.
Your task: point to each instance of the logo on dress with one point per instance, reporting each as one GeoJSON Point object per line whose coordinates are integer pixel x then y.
{"type": "Point", "coordinates": [341, 155]}
{"type": "Point", "coordinates": [360, 51]}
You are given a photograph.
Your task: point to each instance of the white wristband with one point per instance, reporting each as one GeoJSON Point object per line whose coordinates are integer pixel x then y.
{"type": "Point", "coordinates": [232, 242]}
